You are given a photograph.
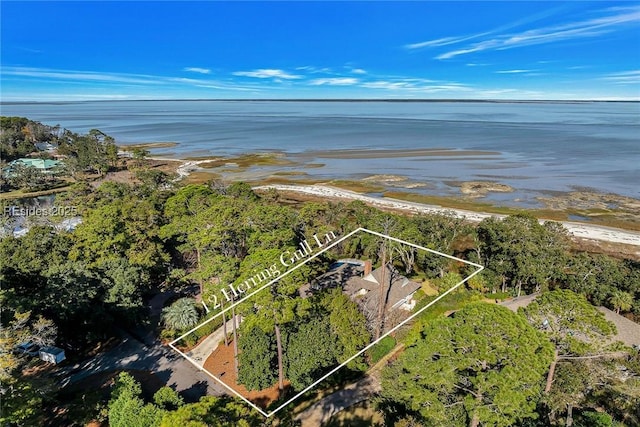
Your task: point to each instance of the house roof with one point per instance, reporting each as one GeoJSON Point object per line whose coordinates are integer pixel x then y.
{"type": "Point", "coordinates": [628, 331]}
{"type": "Point", "coordinates": [51, 350]}
{"type": "Point", "coordinates": [45, 146]}
{"type": "Point", "coordinates": [331, 279]}
{"type": "Point", "coordinates": [37, 163]}
{"type": "Point", "coordinates": [401, 287]}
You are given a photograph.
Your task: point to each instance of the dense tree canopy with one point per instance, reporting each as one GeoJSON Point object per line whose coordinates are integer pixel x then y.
{"type": "Point", "coordinates": [523, 253]}
{"type": "Point", "coordinates": [93, 153]}
{"type": "Point", "coordinates": [128, 408]}
{"type": "Point", "coordinates": [19, 134]}
{"type": "Point", "coordinates": [257, 359]}
{"type": "Point", "coordinates": [574, 325]}
{"type": "Point", "coordinates": [349, 325]}
{"type": "Point", "coordinates": [213, 411]}
{"type": "Point", "coordinates": [485, 365]}
{"type": "Point", "coordinates": [309, 349]}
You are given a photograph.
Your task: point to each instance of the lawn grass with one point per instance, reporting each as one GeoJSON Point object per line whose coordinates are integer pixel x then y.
{"type": "Point", "coordinates": [381, 349]}
{"type": "Point", "coordinates": [450, 302]}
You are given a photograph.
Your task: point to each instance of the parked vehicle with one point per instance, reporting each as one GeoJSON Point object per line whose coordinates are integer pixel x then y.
{"type": "Point", "coordinates": [28, 348]}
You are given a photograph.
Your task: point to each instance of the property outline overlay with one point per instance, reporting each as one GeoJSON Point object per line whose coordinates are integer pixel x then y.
{"type": "Point", "coordinates": [360, 229]}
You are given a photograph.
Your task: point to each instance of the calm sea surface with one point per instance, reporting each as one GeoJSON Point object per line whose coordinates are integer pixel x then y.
{"type": "Point", "coordinates": [537, 147]}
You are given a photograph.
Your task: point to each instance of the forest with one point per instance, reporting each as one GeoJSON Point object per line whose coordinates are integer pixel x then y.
{"type": "Point", "coordinates": [90, 154]}
{"type": "Point", "coordinates": [466, 361]}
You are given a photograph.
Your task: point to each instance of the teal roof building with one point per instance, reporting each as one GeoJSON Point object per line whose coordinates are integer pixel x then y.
{"type": "Point", "coordinates": [46, 166]}
{"type": "Point", "coordinates": [42, 164]}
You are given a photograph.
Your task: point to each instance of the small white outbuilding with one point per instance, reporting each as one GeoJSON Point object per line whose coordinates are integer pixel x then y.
{"type": "Point", "coordinates": [53, 355]}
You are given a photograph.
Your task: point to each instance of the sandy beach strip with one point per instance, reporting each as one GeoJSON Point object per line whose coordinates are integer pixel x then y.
{"type": "Point", "coordinates": [580, 230]}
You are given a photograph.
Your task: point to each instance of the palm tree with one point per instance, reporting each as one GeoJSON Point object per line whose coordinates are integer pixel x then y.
{"type": "Point", "coordinates": [621, 301]}
{"type": "Point", "coordinates": [181, 315]}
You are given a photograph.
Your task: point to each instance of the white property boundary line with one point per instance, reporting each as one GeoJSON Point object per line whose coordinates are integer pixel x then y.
{"type": "Point", "coordinates": [360, 229]}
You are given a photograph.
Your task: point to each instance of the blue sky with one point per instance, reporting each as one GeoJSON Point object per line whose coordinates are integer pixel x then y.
{"type": "Point", "coordinates": [464, 50]}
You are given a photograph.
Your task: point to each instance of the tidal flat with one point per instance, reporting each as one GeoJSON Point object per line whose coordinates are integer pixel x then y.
{"type": "Point", "coordinates": [539, 150]}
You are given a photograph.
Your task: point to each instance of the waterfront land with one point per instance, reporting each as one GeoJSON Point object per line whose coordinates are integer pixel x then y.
{"type": "Point", "coordinates": [581, 230]}
{"type": "Point", "coordinates": [587, 214]}
{"type": "Point", "coordinates": [576, 206]}
{"type": "Point", "coordinates": [156, 238]}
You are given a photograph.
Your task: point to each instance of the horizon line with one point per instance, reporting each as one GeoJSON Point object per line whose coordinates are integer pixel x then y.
{"type": "Point", "coordinates": [492, 100]}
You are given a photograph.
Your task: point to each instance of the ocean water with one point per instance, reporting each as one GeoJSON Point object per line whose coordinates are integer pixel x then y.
{"type": "Point", "coordinates": [535, 147]}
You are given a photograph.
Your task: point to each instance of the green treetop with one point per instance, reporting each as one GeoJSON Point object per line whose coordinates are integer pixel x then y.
{"type": "Point", "coordinates": [485, 365]}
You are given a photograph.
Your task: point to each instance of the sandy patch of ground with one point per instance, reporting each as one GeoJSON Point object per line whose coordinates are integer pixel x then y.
{"type": "Point", "coordinates": [362, 414]}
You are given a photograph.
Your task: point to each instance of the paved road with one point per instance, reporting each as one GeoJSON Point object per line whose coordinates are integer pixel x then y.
{"type": "Point", "coordinates": [145, 352]}
{"type": "Point", "coordinates": [167, 365]}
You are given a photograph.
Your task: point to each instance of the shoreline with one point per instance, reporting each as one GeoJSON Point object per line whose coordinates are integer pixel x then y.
{"type": "Point", "coordinates": [582, 230]}
{"type": "Point", "coordinates": [577, 229]}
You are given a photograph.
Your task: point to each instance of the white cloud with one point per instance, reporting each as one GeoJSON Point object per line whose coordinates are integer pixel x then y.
{"type": "Point", "coordinates": [358, 71]}
{"type": "Point", "coordinates": [509, 94]}
{"type": "Point", "coordinates": [197, 70]}
{"type": "Point", "coordinates": [625, 77]}
{"type": "Point", "coordinates": [74, 76]}
{"type": "Point", "coordinates": [28, 49]}
{"type": "Point", "coordinates": [389, 85]}
{"type": "Point", "coordinates": [415, 86]}
{"type": "Point", "coordinates": [444, 41]}
{"type": "Point", "coordinates": [315, 70]}
{"type": "Point", "coordinates": [571, 30]}
{"type": "Point", "coordinates": [334, 81]}
{"type": "Point", "coordinates": [267, 73]}
{"type": "Point", "coordinates": [514, 71]}
{"type": "Point", "coordinates": [90, 76]}
{"type": "Point", "coordinates": [43, 97]}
